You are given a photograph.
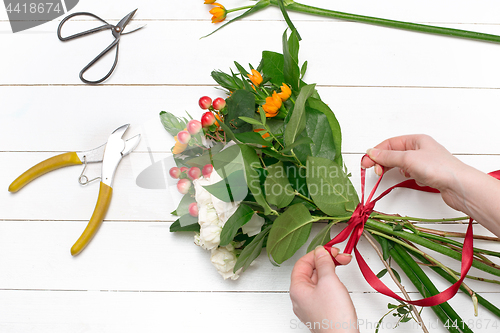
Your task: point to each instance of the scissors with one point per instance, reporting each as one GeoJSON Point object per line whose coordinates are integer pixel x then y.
{"type": "Point", "coordinates": [109, 153]}
{"type": "Point", "coordinates": [117, 31]}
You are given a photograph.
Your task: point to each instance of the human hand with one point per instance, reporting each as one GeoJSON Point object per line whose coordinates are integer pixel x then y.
{"type": "Point", "coordinates": [317, 294]}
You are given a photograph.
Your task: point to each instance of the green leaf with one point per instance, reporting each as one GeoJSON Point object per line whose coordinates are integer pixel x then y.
{"type": "Point", "coordinates": [176, 226]}
{"type": "Point", "coordinates": [242, 70]}
{"type": "Point", "coordinates": [252, 121]}
{"type": "Point", "coordinates": [231, 188]}
{"type": "Point", "coordinates": [317, 104]}
{"type": "Point", "coordinates": [303, 69]}
{"type": "Point", "coordinates": [382, 273]}
{"type": "Point", "coordinates": [287, 19]}
{"type": "Point", "coordinates": [252, 250]}
{"type": "Point", "coordinates": [321, 238]}
{"type": "Point", "coordinates": [291, 70]}
{"type": "Point", "coordinates": [297, 121]}
{"type": "Point", "coordinates": [298, 142]}
{"type": "Point", "coordinates": [183, 207]}
{"type": "Point", "coordinates": [258, 6]}
{"type": "Point", "coordinates": [277, 155]}
{"type": "Point", "coordinates": [228, 131]}
{"type": "Point", "coordinates": [241, 216]}
{"type": "Point", "coordinates": [187, 220]}
{"type": "Point", "coordinates": [240, 104]}
{"type": "Point", "coordinates": [251, 161]}
{"type": "Point", "coordinates": [289, 232]}
{"type": "Point", "coordinates": [227, 81]}
{"type": "Point", "coordinates": [262, 114]}
{"type": "Point", "coordinates": [171, 123]}
{"type": "Point", "coordinates": [279, 191]}
{"type": "Point", "coordinates": [329, 187]}
{"type": "Point", "coordinates": [252, 137]}
{"type": "Point", "coordinates": [297, 177]}
{"type": "Point", "coordinates": [271, 66]}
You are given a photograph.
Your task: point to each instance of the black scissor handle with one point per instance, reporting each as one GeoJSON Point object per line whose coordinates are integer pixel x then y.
{"type": "Point", "coordinates": [83, 33]}
{"type": "Point", "coordinates": [96, 59]}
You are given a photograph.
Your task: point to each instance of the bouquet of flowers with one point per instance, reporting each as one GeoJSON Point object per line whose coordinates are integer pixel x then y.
{"type": "Point", "coordinates": [264, 164]}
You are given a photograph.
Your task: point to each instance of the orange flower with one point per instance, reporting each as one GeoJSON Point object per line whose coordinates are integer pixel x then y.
{"type": "Point", "coordinates": [273, 105]}
{"type": "Point", "coordinates": [219, 13]}
{"type": "Point", "coordinates": [217, 120]}
{"type": "Point", "coordinates": [179, 147]}
{"type": "Point", "coordinates": [285, 92]}
{"type": "Point", "coordinates": [264, 135]}
{"type": "Point", "coordinates": [255, 77]}
{"type": "Point", "coordinates": [208, 2]}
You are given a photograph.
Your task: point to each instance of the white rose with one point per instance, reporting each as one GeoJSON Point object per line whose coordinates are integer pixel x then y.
{"type": "Point", "coordinates": [224, 261]}
{"type": "Point", "coordinates": [253, 227]}
{"type": "Point", "coordinates": [207, 215]}
{"type": "Point", "coordinates": [197, 239]}
{"type": "Point", "coordinates": [210, 236]}
{"type": "Point", "coordinates": [202, 196]}
{"type": "Point", "coordinates": [225, 209]}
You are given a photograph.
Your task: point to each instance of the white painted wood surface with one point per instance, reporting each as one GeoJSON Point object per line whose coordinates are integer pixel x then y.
{"type": "Point", "coordinates": [135, 275]}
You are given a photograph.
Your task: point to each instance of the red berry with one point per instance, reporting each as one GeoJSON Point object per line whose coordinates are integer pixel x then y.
{"type": "Point", "coordinates": [175, 172]}
{"type": "Point", "coordinates": [193, 209]}
{"type": "Point", "coordinates": [207, 170]}
{"type": "Point", "coordinates": [208, 119]}
{"type": "Point", "coordinates": [183, 137]}
{"type": "Point", "coordinates": [184, 169]}
{"type": "Point", "coordinates": [194, 127]}
{"type": "Point", "coordinates": [194, 173]}
{"type": "Point", "coordinates": [205, 102]}
{"type": "Point", "coordinates": [219, 103]}
{"type": "Point", "coordinates": [183, 185]}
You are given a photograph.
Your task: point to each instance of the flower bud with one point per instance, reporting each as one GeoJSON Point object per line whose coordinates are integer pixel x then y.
{"type": "Point", "coordinates": [219, 103]}
{"type": "Point", "coordinates": [175, 172]}
{"type": "Point", "coordinates": [183, 137]}
{"type": "Point", "coordinates": [194, 173]}
{"type": "Point", "coordinates": [207, 170]}
{"type": "Point", "coordinates": [208, 119]}
{"type": "Point", "coordinates": [205, 102]}
{"type": "Point", "coordinates": [194, 127]}
{"type": "Point", "coordinates": [183, 185]}
{"type": "Point", "coordinates": [193, 209]}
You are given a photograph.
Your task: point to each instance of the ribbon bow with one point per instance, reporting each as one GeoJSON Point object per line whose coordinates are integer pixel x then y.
{"type": "Point", "coordinates": [355, 227]}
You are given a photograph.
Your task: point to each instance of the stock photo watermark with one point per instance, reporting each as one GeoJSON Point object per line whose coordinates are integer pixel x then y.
{"type": "Point", "coordinates": [26, 14]}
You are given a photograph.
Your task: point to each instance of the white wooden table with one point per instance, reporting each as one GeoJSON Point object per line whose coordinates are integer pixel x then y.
{"type": "Point", "coordinates": [136, 276]}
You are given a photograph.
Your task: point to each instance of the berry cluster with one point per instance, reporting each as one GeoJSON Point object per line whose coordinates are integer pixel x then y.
{"type": "Point", "coordinates": [186, 176]}
{"type": "Point", "coordinates": [209, 120]}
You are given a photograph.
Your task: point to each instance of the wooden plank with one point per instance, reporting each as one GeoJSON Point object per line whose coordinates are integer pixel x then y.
{"type": "Point", "coordinates": [49, 311]}
{"type": "Point", "coordinates": [58, 196]}
{"type": "Point", "coordinates": [145, 256]}
{"type": "Point", "coordinates": [48, 119]}
{"type": "Point", "coordinates": [336, 57]}
{"type": "Point", "coordinates": [422, 11]}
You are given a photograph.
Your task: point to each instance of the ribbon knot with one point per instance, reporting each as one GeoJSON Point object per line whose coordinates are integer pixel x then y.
{"type": "Point", "coordinates": [355, 227]}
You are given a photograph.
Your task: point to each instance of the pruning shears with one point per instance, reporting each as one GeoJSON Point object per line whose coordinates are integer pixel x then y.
{"type": "Point", "coordinates": [110, 154]}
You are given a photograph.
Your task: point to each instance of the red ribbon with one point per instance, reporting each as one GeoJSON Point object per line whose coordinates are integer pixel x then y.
{"type": "Point", "coordinates": [355, 227]}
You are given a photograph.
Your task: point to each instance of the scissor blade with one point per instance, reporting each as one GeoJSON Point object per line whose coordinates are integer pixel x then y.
{"type": "Point", "coordinates": [118, 133]}
{"type": "Point", "coordinates": [124, 21]}
{"type": "Point", "coordinates": [131, 144]}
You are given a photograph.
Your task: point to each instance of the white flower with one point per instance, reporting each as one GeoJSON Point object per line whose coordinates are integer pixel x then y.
{"type": "Point", "coordinates": [207, 215]}
{"type": "Point", "coordinates": [201, 195]}
{"type": "Point", "coordinates": [224, 260]}
{"type": "Point", "coordinates": [253, 227]}
{"type": "Point", "coordinates": [225, 209]}
{"type": "Point", "coordinates": [210, 236]}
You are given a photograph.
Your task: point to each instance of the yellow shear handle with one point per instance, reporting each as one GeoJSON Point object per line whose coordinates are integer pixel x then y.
{"type": "Point", "coordinates": [43, 167]}
{"type": "Point", "coordinates": [95, 222]}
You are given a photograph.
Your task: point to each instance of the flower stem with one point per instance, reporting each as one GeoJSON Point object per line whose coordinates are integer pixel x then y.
{"type": "Point", "coordinates": [386, 230]}
{"type": "Point", "coordinates": [298, 7]}
{"type": "Point", "coordinates": [382, 216]}
{"type": "Point", "coordinates": [425, 285]}
{"type": "Point", "coordinates": [239, 8]}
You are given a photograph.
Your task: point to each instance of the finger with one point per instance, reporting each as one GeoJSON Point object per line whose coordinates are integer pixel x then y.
{"type": "Point", "coordinates": [303, 269]}
{"type": "Point", "coordinates": [324, 263]}
{"type": "Point", "coordinates": [400, 143]}
{"type": "Point", "coordinates": [343, 258]}
{"type": "Point", "coordinates": [387, 158]}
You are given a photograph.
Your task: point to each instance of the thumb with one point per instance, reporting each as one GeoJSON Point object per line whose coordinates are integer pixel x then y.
{"type": "Point", "coordinates": [387, 158]}
{"type": "Point", "coordinates": [323, 262]}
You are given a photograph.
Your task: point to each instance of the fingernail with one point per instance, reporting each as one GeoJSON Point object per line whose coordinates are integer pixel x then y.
{"type": "Point", "coordinates": [373, 152]}
{"type": "Point", "coordinates": [346, 254]}
{"type": "Point", "coordinates": [318, 252]}
{"type": "Point", "coordinates": [378, 170]}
